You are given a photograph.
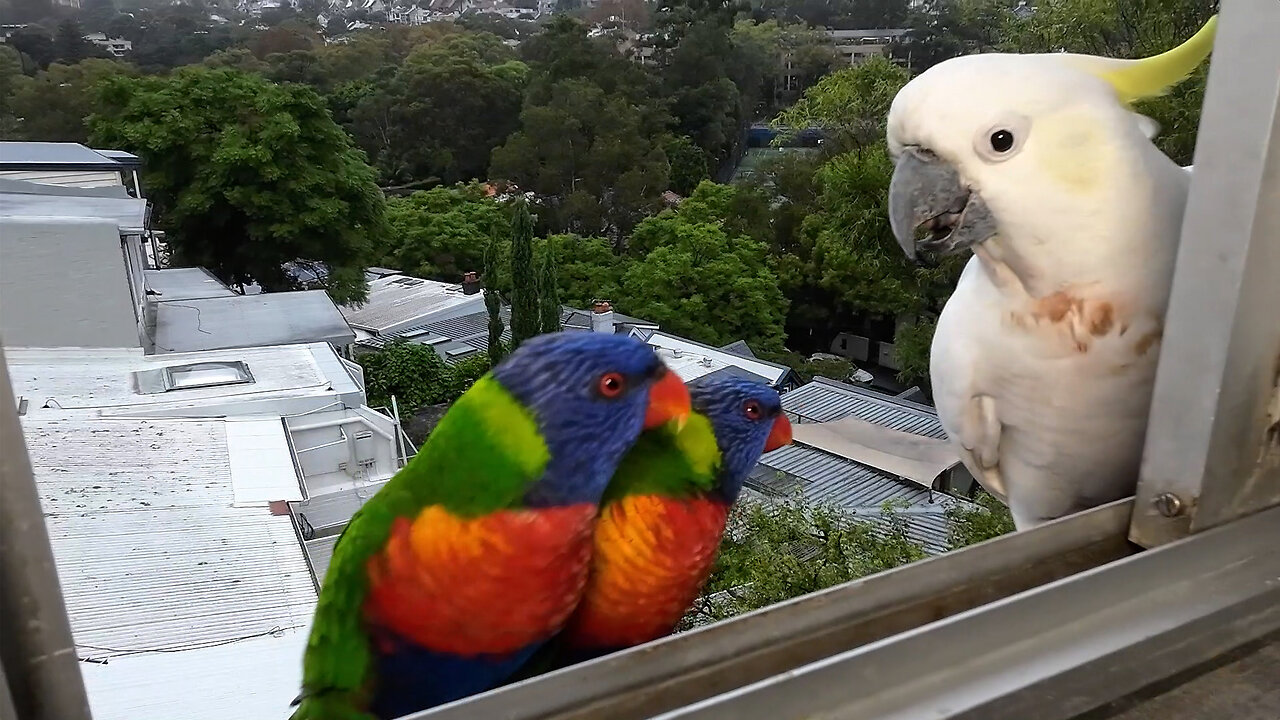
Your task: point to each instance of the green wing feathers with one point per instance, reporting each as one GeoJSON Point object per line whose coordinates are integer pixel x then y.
{"type": "Point", "coordinates": [483, 456]}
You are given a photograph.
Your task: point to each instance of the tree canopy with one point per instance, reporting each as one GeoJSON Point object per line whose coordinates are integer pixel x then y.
{"type": "Point", "coordinates": [247, 175]}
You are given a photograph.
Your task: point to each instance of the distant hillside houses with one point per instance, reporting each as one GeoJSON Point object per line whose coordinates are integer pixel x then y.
{"type": "Point", "coordinates": [420, 13]}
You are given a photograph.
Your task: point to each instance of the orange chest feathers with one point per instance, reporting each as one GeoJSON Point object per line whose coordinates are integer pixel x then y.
{"type": "Point", "coordinates": [487, 585]}
{"type": "Point", "coordinates": [652, 554]}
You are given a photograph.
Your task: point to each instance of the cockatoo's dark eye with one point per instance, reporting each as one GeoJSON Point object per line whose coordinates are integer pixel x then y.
{"type": "Point", "coordinates": [1001, 141]}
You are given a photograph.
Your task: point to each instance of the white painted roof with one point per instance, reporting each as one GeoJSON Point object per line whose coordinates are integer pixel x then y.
{"type": "Point", "coordinates": [262, 468]}
{"type": "Point", "coordinates": [160, 570]}
{"type": "Point", "coordinates": [394, 305]}
{"type": "Point", "coordinates": [101, 381]}
{"type": "Point", "coordinates": [691, 360]}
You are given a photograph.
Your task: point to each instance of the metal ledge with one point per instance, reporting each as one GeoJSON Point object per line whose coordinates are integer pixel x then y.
{"type": "Point", "coordinates": [1044, 653]}
{"type": "Point", "coordinates": [695, 665]}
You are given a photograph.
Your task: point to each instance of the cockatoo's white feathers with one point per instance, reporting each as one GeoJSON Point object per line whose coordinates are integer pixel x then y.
{"type": "Point", "coordinates": [1044, 356]}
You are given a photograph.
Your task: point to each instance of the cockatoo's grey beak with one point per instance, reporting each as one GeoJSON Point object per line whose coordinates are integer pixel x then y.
{"type": "Point", "coordinates": [926, 192]}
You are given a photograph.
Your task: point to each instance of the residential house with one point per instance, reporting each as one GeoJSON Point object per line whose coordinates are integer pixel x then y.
{"type": "Point", "coordinates": [856, 46]}
{"type": "Point", "coordinates": [170, 480]}
{"type": "Point", "coordinates": [857, 449]}
{"type": "Point", "coordinates": [118, 47]}
{"type": "Point", "coordinates": [401, 302]}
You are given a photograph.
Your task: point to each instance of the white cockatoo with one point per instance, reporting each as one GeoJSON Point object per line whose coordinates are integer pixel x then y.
{"type": "Point", "coordinates": [1044, 357]}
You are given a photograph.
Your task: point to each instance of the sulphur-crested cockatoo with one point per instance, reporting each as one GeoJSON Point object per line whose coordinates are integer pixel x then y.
{"type": "Point", "coordinates": [1044, 357]}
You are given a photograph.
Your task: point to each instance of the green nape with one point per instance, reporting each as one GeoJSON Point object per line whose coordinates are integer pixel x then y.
{"type": "Point", "coordinates": [664, 462]}
{"type": "Point", "coordinates": [482, 457]}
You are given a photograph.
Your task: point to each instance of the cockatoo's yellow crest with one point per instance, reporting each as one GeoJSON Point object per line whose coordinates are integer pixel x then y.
{"type": "Point", "coordinates": [1148, 77]}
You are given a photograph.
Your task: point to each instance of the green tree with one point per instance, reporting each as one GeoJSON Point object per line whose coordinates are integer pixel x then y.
{"type": "Point", "coordinates": [548, 289]}
{"type": "Point", "coordinates": [412, 372]}
{"type": "Point", "coordinates": [440, 233]}
{"type": "Point", "coordinates": [589, 156]}
{"type": "Point", "coordinates": [588, 269]}
{"type": "Point", "coordinates": [247, 175]}
{"type": "Point", "coordinates": [969, 524]}
{"type": "Point", "coordinates": [702, 283]}
{"type": "Point", "coordinates": [525, 318]}
{"type": "Point", "coordinates": [35, 44]}
{"type": "Point", "coordinates": [10, 77]}
{"type": "Point", "coordinates": [688, 164]}
{"type": "Point", "coordinates": [54, 105]}
{"type": "Point", "coordinates": [69, 43]}
{"type": "Point", "coordinates": [780, 550]}
{"type": "Point", "coordinates": [442, 114]}
{"type": "Point", "coordinates": [493, 302]}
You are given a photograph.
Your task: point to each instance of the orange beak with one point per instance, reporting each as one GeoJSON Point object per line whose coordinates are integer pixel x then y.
{"type": "Point", "coordinates": [668, 400]}
{"type": "Point", "coordinates": [780, 434]}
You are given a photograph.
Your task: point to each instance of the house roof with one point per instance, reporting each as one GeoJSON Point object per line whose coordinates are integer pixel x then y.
{"type": "Point", "coordinates": [184, 284]}
{"type": "Point", "coordinates": [453, 339]}
{"type": "Point", "coordinates": [397, 302]}
{"type": "Point", "coordinates": [856, 449]}
{"type": "Point", "coordinates": [60, 156]}
{"type": "Point", "coordinates": [128, 214]}
{"type": "Point", "coordinates": [154, 557]}
{"type": "Point", "coordinates": [575, 319]}
{"type": "Point", "coordinates": [739, 348]}
{"type": "Point", "coordinates": [103, 381]}
{"type": "Point", "coordinates": [692, 360]}
{"type": "Point", "coordinates": [248, 321]}
{"type": "Point", "coordinates": [825, 399]}
{"type": "Point", "coordinates": [822, 478]}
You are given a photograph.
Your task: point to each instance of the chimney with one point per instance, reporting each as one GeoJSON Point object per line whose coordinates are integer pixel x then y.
{"type": "Point", "coordinates": [470, 284]}
{"type": "Point", "coordinates": [602, 317]}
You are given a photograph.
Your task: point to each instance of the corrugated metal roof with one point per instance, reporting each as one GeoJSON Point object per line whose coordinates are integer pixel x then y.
{"type": "Point", "coordinates": [152, 556]}
{"type": "Point", "coordinates": [739, 348]}
{"type": "Point", "coordinates": [824, 399]}
{"type": "Point", "coordinates": [396, 302]}
{"type": "Point", "coordinates": [250, 321]}
{"type": "Point", "coordinates": [184, 284]}
{"type": "Point", "coordinates": [575, 319]}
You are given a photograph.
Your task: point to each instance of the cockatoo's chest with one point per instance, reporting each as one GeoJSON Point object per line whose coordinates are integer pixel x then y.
{"type": "Point", "coordinates": [1063, 358]}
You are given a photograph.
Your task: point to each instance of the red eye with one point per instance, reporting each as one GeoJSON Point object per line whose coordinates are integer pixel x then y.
{"type": "Point", "coordinates": [752, 410]}
{"type": "Point", "coordinates": [612, 384]}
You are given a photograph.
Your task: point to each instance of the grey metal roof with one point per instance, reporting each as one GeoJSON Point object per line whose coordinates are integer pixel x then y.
{"type": "Point", "coordinates": [396, 302]}
{"type": "Point", "coordinates": [454, 339]}
{"type": "Point", "coordinates": [184, 284]}
{"type": "Point", "coordinates": [126, 159]}
{"type": "Point", "coordinates": [825, 479]}
{"type": "Point", "coordinates": [740, 348]}
{"type": "Point", "coordinates": [825, 399]}
{"type": "Point", "coordinates": [10, 185]}
{"type": "Point", "coordinates": [127, 213]}
{"type": "Point", "coordinates": [249, 321]}
{"type": "Point", "coordinates": [57, 156]}
{"type": "Point", "coordinates": [730, 371]}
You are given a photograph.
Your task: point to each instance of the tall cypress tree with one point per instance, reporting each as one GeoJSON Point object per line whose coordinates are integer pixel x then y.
{"type": "Point", "coordinates": [548, 291]}
{"type": "Point", "coordinates": [525, 321]}
{"type": "Point", "coordinates": [492, 302]}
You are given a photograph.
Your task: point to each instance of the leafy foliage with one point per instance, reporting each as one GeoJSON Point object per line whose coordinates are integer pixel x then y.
{"type": "Point", "coordinates": [247, 175]}
{"type": "Point", "coordinates": [440, 233]}
{"type": "Point", "coordinates": [416, 376]}
{"type": "Point", "coordinates": [548, 290]}
{"type": "Point", "coordinates": [493, 302]}
{"type": "Point", "coordinates": [54, 105]}
{"type": "Point", "coordinates": [969, 525]}
{"type": "Point", "coordinates": [445, 109]}
{"type": "Point", "coordinates": [526, 319]}
{"type": "Point", "coordinates": [776, 551]}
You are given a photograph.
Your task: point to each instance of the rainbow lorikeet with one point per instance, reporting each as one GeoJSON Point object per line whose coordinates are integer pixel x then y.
{"type": "Point", "coordinates": [662, 518]}
{"type": "Point", "coordinates": [477, 551]}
